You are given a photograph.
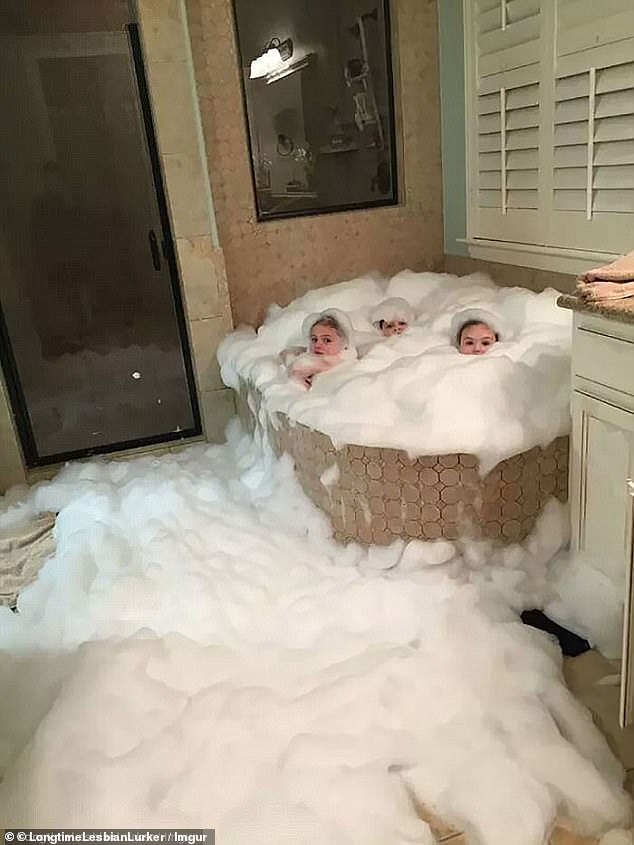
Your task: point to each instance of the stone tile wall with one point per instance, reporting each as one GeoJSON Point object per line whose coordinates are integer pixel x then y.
{"type": "Point", "coordinates": [276, 261]}
{"type": "Point", "coordinates": [169, 64]}
{"type": "Point", "coordinates": [509, 275]}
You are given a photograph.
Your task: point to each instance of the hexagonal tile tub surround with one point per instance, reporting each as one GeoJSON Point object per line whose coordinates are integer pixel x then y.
{"type": "Point", "coordinates": [377, 495]}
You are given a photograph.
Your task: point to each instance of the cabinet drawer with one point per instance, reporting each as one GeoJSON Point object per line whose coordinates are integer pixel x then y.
{"type": "Point", "coordinates": [606, 360]}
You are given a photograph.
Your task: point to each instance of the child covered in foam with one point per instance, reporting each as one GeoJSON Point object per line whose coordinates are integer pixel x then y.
{"type": "Point", "coordinates": [392, 316]}
{"type": "Point", "coordinates": [329, 340]}
{"type": "Point", "coordinates": [475, 330]}
{"type": "Point", "coordinates": [415, 391]}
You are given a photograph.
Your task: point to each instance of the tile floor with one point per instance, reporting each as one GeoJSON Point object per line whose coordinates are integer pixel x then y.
{"type": "Point", "coordinates": [591, 677]}
{"type": "Point", "coordinates": [595, 681]}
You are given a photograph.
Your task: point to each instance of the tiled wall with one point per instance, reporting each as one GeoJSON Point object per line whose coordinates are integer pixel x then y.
{"type": "Point", "coordinates": [167, 50]}
{"type": "Point", "coordinates": [11, 468]}
{"type": "Point", "coordinates": [507, 275]}
{"type": "Point", "coordinates": [278, 260]}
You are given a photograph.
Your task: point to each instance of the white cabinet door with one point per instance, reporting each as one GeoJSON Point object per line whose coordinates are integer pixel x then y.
{"type": "Point", "coordinates": [602, 469]}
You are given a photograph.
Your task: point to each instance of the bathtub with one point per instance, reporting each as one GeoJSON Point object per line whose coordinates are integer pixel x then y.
{"type": "Point", "coordinates": [376, 495]}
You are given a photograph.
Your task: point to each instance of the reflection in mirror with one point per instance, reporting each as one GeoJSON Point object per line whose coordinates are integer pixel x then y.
{"type": "Point", "coordinates": [318, 91]}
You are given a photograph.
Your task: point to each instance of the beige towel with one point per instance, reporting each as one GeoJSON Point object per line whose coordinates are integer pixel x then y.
{"type": "Point", "coordinates": [612, 281]}
{"type": "Point", "coordinates": [23, 554]}
{"type": "Point", "coordinates": [605, 290]}
{"type": "Point", "coordinates": [621, 270]}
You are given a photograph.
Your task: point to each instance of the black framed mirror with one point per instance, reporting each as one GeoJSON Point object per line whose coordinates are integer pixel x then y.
{"type": "Point", "coordinates": [319, 103]}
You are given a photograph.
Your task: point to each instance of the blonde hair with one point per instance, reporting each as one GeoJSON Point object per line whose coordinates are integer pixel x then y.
{"type": "Point", "coordinates": [331, 323]}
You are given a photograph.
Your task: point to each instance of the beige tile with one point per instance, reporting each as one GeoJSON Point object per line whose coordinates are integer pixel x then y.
{"type": "Point", "coordinates": [561, 835]}
{"type": "Point", "coordinates": [199, 273]}
{"type": "Point", "coordinates": [276, 260]}
{"type": "Point", "coordinates": [221, 278]}
{"type": "Point", "coordinates": [37, 474]}
{"type": "Point", "coordinates": [585, 671]}
{"type": "Point", "coordinates": [218, 407]}
{"type": "Point", "coordinates": [181, 445]}
{"type": "Point", "coordinates": [442, 831]}
{"type": "Point", "coordinates": [205, 337]}
{"type": "Point", "coordinates": [509, 275]}
{"type": "Point", "coordinates": [584, 675]}
{"type": "Point", "coordinates": [564, 836]}
{"type": "Point", "coordinates": [156, 450]}
{"type": "Point", "coordinates": [11, 467]}
{"type": "Point", "coordinates": [187, 193]}
{"type": "Point", "coordinates": [163, 30]}
{"type": "Point", "coordinates": [172, 99]}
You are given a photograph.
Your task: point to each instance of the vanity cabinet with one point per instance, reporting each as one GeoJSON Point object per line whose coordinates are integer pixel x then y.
{"type": "Point", "coordinates": [602, 463]}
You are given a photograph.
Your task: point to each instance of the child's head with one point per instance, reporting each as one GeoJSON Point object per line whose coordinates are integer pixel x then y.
{"type": "Point", "coordinates": [392, 316]}
{"type": "Point", "coordinates": [475, 330]}
{"type": "Point", "coordinates": [326, 336]}
{"type": "Point", "coordinates": [389, 328]}
{"type": "Point", "coordinates": [476, 337]}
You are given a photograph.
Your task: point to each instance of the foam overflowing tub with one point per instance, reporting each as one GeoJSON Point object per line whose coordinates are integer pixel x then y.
{"type": "Point", "coordinates": [375, 495]}
{"type": "Point", "coordinates": [415, 441]}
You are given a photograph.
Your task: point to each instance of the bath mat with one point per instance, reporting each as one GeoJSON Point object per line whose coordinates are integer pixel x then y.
{"type": "Point", "coordinates": [22, 555]}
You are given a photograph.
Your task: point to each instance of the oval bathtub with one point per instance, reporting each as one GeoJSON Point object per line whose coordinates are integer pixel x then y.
{"type": "Point", "coordinates": [376, 495]}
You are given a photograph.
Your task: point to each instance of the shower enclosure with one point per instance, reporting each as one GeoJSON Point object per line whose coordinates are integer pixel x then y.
{"type": "Point", "coordinates": [92, 331]}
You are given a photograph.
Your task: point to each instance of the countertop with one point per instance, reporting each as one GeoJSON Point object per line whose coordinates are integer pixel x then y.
{"type": "Point", "coordinates": [613, 309]}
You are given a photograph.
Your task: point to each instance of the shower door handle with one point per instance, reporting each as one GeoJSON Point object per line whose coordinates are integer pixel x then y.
{"type": "Point", "coordinates": [154, 250]}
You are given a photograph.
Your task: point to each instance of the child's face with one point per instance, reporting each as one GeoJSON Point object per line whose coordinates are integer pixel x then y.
{"type": "Point", "coordinates": [324, 340]}
{"type": "Point", "coordinates": [391, 327]}
{"type": "Point", "coordinates": [476, 339]}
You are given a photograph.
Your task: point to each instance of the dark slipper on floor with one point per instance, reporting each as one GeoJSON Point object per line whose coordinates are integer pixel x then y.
{"type": "Point", "coordinates": [571, 644]}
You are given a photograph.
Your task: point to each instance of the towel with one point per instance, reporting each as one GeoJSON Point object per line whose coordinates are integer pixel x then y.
{"type": "Point", "coordinates": [612, 281]}
{"type": "Point", "coordinates": [621, 270]}
{"type": "Point", "coordinates": [605, 290]}
{"type": "Point", "coordinates": [23, 554]}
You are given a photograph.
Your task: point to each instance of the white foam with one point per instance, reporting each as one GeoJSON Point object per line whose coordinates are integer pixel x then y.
{"type": "Point", "coordinates": [416, 391]}
{"type": "Point", "coordinates": [199, 652]}
{"type": "Point", "coordinates": [590, 602]}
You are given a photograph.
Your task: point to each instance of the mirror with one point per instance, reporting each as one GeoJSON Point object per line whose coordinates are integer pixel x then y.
{"type": "Point", "coordinates": [318, 92]}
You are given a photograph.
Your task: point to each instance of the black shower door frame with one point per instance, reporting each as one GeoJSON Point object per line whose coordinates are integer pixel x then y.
{"type": "Point", "coordinates": [15, 392]}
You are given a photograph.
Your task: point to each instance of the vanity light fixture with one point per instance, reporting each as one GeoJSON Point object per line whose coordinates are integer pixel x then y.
{"type": "Point", "coordinates": [286, 70]}
{"type": "Point", "coordinates": [275, 53]}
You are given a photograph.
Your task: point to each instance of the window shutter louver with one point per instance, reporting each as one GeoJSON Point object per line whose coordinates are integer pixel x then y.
{"type": "Point", "coordinates": [593, 125]}
{"type": "Point", "coordinates": [505, 185]}
{"type": "Point", "coordinates": [551, 125]}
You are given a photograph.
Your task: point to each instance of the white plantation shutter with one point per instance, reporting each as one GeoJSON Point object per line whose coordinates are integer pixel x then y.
{"type": "Point", "coordinates": [593, 125]}
{"type": "Point", "coordinates": [505, 146]}
{"type": "Point", "coordinates": [551, 122]}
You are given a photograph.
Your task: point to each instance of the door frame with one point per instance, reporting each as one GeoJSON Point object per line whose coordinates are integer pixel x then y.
{"type": "Point", "coordinates": [87, 44]}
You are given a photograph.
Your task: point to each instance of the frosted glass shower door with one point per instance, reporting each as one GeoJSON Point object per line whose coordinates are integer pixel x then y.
{"type": "Point", "coordinates": [94, 344]}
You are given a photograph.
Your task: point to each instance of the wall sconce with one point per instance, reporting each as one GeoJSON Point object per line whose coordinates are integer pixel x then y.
{"type": "Point", "coordinates": [275, 53]}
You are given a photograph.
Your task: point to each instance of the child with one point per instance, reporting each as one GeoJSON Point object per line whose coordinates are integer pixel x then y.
{"type": "Point", "coordinates": [329, 342]}
{"type": "Point", "coordinates": [475, 331]}
{"type": "Point", "coordinates": [392, 316]}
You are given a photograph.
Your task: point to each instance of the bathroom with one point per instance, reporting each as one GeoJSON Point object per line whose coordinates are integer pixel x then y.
{"type": "Point", "coordinates": [221, 247]}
